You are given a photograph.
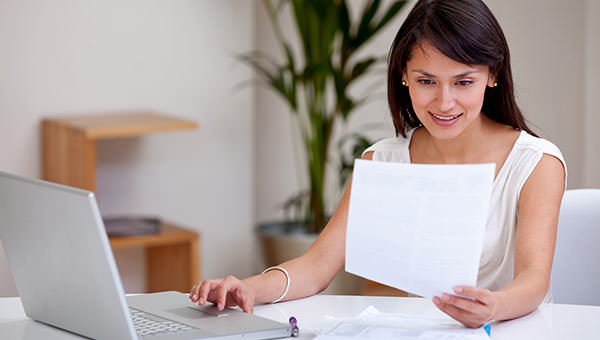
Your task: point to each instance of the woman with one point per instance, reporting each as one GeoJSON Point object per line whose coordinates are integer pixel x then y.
{"type": "Point", "coordinates": [451, 96]}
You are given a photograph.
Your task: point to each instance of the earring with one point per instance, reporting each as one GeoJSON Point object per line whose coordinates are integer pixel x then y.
{"type": "Point", "coordinates": [494, 84]}
{"type": "Point", "coordinates": [403, 82]}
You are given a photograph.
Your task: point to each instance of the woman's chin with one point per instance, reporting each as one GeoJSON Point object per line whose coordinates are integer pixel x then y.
{"type": "Point", "coordinates": [448, 132]}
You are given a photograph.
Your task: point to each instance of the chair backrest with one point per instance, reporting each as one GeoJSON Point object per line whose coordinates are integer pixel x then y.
{"type": "Point", "coordinates": [576, 268]}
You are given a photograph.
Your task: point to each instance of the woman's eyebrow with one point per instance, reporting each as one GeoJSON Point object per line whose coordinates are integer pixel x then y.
{"type": "Point", "coordinates": [464, 74]}
{"type": "Point", "coordinates": [460, 75]}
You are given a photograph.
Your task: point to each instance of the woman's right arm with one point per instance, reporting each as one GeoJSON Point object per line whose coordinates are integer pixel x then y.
{"type": "Point", "coordinates": [309, 274]}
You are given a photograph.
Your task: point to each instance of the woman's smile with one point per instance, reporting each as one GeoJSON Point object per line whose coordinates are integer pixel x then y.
{"type": "Point", "coordinates": [445, 120]}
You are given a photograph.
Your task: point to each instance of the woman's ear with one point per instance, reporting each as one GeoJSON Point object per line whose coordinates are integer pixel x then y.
{"type": "Point", "coordinates": [492, 80]}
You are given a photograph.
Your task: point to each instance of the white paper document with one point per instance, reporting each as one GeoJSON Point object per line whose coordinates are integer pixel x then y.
{"type": "Point", "coordinates": [373, 324]}
{"type": "Point", "coordinates": [418, 227]}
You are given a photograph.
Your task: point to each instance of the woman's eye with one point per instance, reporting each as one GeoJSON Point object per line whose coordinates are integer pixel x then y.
{"type": "Point", "coordinates": [425, 81]}
{"type": "Point", "coordinates": [464, 82]}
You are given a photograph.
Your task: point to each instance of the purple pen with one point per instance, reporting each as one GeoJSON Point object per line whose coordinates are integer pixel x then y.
{"type": "Point", "coordinates": [294, 324]}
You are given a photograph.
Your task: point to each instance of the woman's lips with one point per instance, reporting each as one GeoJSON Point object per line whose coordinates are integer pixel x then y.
{"type": "Point", "coordinates": [445, 120]}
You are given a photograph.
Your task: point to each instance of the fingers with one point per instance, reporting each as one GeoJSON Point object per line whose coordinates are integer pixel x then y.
{"type": "Point", "coordinates": [195, 291]}
{"type": "Point", "coordinates": [201, 290]}
{"type": "Point", "coordinates": [244, 300]}
{"type": "Point", "coordinates": [467, 318]}
{"type": "Point", "coordinates": [222, 291]}
{"type": "Point", "coordinates": [226, 292]}
{"type": "Point", "coordinates": [474, 307]}
{"type": "Point", "coordinates": [205, 289]}
{"type": "Point", "coordinates": [483, 295]}
{"type": "Point", "coordinates": [472, 313]}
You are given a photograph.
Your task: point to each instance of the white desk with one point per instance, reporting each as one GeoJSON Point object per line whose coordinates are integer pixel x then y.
{"type": "Point", "coordinates": [551, 321]}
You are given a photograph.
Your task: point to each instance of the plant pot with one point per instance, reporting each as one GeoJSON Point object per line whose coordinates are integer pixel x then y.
{"type": "Point", "coordinates": [283, 241]}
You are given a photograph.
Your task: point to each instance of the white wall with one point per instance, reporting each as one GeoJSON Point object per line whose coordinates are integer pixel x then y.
{"type": "Point", "coordinates": [547, 42]}
{"type": "Point", "coordinates": [276, 156]}
{"type": "Point", "coordinates": [592, 94]}
{"type": "Point", "coordinates": [176, 57]}
{"type": "Point", "coordinates": [548, 50]}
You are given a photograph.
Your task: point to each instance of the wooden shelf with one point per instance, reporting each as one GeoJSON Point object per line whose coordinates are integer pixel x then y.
{"type": "Point", "coordinates": [169, 234]}
{"type": "Point", "coordinates": [68, 143]}
{"type": "Point", "coordinates": [69, 157]}
{"type": "Point", "coordinates": [105, 126]}
{"type": "Point", "coordinates": [172, 259]}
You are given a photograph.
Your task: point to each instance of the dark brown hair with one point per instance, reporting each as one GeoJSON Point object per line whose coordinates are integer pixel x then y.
{"type": "Point", "coordinates": [467, 32]}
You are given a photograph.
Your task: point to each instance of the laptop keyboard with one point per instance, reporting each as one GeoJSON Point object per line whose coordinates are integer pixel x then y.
{"type": "Point", "coordinates": [148, 324]}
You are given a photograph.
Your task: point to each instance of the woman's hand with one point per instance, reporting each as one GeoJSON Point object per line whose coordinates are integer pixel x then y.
{"type": "Point", "coordinates": [227, 292]}
{"type": "Point", "coordinates": [472, 313]}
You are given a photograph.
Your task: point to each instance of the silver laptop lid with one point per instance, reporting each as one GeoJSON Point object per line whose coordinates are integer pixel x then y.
{"type": "Point", "coordinates": [60, 257]}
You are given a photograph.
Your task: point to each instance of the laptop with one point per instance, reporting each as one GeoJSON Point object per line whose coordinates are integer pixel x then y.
{"type": "Point", "coordinates": [66, 276]}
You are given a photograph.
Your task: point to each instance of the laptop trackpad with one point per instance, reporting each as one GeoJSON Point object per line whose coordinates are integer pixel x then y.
{"type": "Point", "coordinates": [228, 321]}
{"type": "Point", "coordinates": [189, 313]}
{"type": "Point", "coordinates": [212, 310]}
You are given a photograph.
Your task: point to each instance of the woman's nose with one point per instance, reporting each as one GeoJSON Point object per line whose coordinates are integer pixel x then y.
{"type": "Point", "coordinates": [446, 100]}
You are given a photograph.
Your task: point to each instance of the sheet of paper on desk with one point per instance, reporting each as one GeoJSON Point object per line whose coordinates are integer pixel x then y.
{"type": "Point", "coordinates": [373, 324]}
{"type": "Point", "coordinates": [352, 331]}
{"type": "Point", "coordinates": [418, 227]}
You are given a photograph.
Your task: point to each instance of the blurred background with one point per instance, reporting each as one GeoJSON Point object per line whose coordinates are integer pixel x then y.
{"type": "Point", "coordinates": [234, 171]}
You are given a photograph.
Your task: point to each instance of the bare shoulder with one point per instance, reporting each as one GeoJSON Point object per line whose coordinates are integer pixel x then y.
{"type": "Point", "coordinates": [550, 169]}
{"type": "Point", "coordinates": [368, 155]}
{"type": "Point", "coordinates": [548, 178]}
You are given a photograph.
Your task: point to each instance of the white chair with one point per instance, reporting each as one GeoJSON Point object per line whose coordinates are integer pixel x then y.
{"type": "Point", "coordinates": [576, 268]}
{"type": "Point", "coordinates": [7, 284]}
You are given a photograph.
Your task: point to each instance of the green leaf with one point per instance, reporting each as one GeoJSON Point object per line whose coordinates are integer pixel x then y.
{"type": "Point", "coordinates": [348, 105]}
{"type": "Point", "coordinates": [276, 78]}
{"type": "Point", "coordinates": [357, 144]}
{"type": "Point", "coordinates": [389, 15]}
{"type": "Point", "coordinates": [365, 24]}
{"type": "Point", "coordinates": [361, 67]}
{"type": "Point", "coordinates": [299, 13]}
{"type": "Point", "coordinates": [367, 31]}
{"type": "Point", "coordinates": [291, 67]}
{"type": "Point", "coordinates": [339, 82]}
{"type": "Point", "coordinates": [344, 18]}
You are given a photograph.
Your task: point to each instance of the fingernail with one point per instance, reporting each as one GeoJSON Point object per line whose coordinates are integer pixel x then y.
{"type": "Point", "coordinates": [436, 300]}
{"type": "Point", "coordinates": [458, 290]}
{"type": "Point", "coordinates": [445, 297]}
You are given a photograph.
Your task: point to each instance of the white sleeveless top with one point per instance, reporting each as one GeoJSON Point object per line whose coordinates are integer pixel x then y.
{"type": "Point", "coordinates": [496, 267]}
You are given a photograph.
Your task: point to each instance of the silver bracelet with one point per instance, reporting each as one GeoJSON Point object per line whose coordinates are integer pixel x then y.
{"type": "Point", "coordinates": [287, 277]}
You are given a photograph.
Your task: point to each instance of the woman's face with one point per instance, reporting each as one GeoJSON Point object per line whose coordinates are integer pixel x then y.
{"type": "Point", "coordinates": [446, 95]}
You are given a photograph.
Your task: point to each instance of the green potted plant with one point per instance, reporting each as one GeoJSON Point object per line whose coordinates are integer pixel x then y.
{"type": "Point", "coordinates": [316, 88]}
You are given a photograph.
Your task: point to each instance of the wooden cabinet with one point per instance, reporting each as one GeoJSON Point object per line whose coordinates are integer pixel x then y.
{"type": "Point", "coordinates": [373, 288]}
{"type": "Point", "coordinates": [172, 259]}
{"type": "Point", "coordinates": [69, 157]}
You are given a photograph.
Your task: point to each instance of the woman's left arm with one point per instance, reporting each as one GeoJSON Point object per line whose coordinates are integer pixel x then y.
{"type": "Point", "coordinates": [539, 205]}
